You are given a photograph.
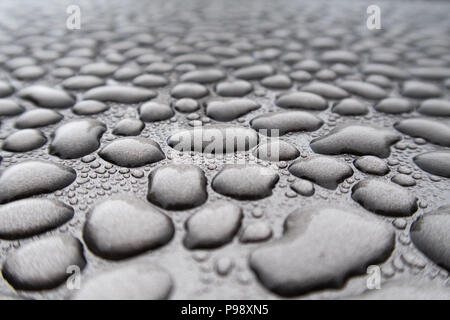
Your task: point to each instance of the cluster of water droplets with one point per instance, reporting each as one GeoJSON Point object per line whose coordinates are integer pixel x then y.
{"type": "Point", "coordinates": [147, 138]}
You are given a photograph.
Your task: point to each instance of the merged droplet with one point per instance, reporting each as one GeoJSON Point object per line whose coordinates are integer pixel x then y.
{"type": "Point", "coordinates": [434, 162]}
{"type": "Point", "coordinates": [321, 248]}
{"type": "Point", "coordinates": [43, 264]}
{"type": "Point", "coordinates": [357, 140]}
{"type": "Point", "coordinates": [245, 182]}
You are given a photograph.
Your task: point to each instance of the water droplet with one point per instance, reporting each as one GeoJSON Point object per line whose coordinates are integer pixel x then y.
{"type": "Point", "coordinates": [88, 107]}
{"type": "Point", "coordinates": [213, 226]}
{"type": "Point", "coordinates": [24, 140]}
{"type": "Point", "coordinates": [371, 165]}
{"type": "Point", "coordinates": [282, 122]}
{"type": "Point", "coordinates": [353, 241]}
{"type": "Point", "coordinates": [155, 111]}
{"type": "Point", "coordinates": [356, 139]}
{"type": "Point", "coordinates": [25, 218]}
{"type": "Point", "coordinates": [77, 138]}
{"type": "Point", "coordinates": [230, 109]}
{"type": "Point", "coordinates": [302, 100]}
{"type": "Point", "coordinates": [325, 171]}
{"type": "Point", "coordinates": [122, 94]}
{"type": "Point", "coordinates": [245, 182]}
{"type": "Point", "coordinates": [31, 178]}
{"type": "Point", "coordinates": [37, 118]}
{"type": "Point", "coordinates": [124, 226]}
{"type": "Point", "coordinates": [214, 139]}
{"type": "Point", "coordinates": [431, 130]}
{"type": "Point", "coordinates": [384, 198]}
{"type": "Point", "coordinates": [430, 235]}
{"type": "Point", "coordinates": [135, 281]}
{"type": "Point", "coordinates": [256, 232]}
{"type": "Point", "coordinates": [42, 264]}
{"type": "Point", "coordinates": [177, 187]}
{"type": "Point", "coordinates": [47, 97]}
{"type": "Point", "coordinates": [132, 152]}
{"type": "Point", "coordinates": [435, 162]}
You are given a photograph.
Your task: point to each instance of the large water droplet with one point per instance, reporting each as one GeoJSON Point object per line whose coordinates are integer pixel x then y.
{"type": "Point", "coordinates": [213, 226]}
{"type": "Point", "coordinates": [124, 226]}
{"type": "Point", "coordinates": [245, 182]}
{"type": "Point", "coordinates": [177, 187]}
{"type": "Point", "coordinates": [31, 178]}
{"type": "Point", "coordinates": [77, 138]}
{"type": "Point", "coordinates": [320, 248]}
{"type": "Point", "coordinates": [384, 198]}
{"type": "Point", "coordinates": [132, 152]}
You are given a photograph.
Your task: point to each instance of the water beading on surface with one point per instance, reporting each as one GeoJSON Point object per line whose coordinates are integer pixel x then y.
{"type": "Point", "coordinates": [194, 149]}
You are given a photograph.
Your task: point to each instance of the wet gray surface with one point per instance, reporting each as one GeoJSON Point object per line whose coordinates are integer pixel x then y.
{"type": "Point", "coordinates": [363, 129]}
